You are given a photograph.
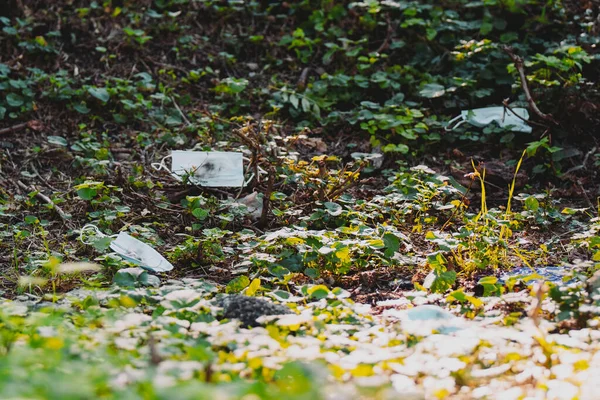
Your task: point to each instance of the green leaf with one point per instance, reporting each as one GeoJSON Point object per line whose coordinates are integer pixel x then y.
{"type": "Point", "coordinates": [101, 244]}
{"type": "Point", "coordinates": [87, 193]}
{"type": "Point", "coordinates": [318, 292]}
{"type": "Point", "coordinates": [443, 281]}
{"type": "Point", "coordinates": [486, 27]}
{"type": "Point", "coordinates": [57, 140]}
{"type": "Point", "coordinates": [126, 277]}
{"type": "Point", "coordinates": [294, 100]}
{"type": "Point", "coordinates": [305, 105]}
{"type": "Point", "coordinates": [31, 219]}
{"type": "Point", "coordinates": [333, 209]}
{"type": "Point", "coordinates": [147, 279]}
{"type": "Point", "coordinates": [2, 112]}
{"type": "Point", "coordinates": [432, 90]}
{"type": "Point", "coordinates": [431, 33]}
{"type": "Point", "coordinates": [312, 273]}
{"type": "Point", "coordinates": [134, 277]}
{"type": "Point", "coordinates": [392, 244]}
{"type": "Point", "coordinates": [99, 93]}
{"type": "Point", "coordinates": [488, 280]}
{"type": "Point", "coordinates": [278, 271]}
{"type": "Point", "coordinates": [238, 284]}
{"type": "Point", "coordinates": [200, 213]}
{"type": "Point", "coordinates": [531, 203]}
{"type": "Point", "coordinates": [14, 100]}
{"type": "Point", "coordinates": [460, 296]}
{"type": "Point", "coordinates": [81, 107]}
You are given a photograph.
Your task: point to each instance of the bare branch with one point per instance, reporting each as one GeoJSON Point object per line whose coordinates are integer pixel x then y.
{"type": "Point", "coordinates": [520, 66]}
{"type": "Point", "coordinates": [44, 198]}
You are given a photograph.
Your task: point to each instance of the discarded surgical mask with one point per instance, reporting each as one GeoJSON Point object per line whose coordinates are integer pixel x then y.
{"type": "Point", "coordinates": [505, 118]}
{"type": "Point", "coordinates": [132, 250]}
{"type": "Point", "coordinates": [206, 168]}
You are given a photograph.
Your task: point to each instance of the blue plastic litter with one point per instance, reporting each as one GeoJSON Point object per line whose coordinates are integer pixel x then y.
{"type": "Point", "coordinates": [532, 275]}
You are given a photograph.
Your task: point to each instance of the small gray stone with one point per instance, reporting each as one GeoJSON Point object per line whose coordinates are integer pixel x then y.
{"type": "Point", "coordinates": [248, 309]}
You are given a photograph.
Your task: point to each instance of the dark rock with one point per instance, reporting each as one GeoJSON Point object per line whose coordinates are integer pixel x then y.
{"type": "Point", "coordinates": [248, 309]}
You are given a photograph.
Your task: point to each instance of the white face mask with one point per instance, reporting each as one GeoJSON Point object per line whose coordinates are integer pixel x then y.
{"type": "Point", "coordinates": [133, 250]}
{"type": "Point", "coordinates": [505, 118]}
{"type": "Point", "coordinates": [140, 253]}
{"type": "Point", "coordinates": [206, 168]}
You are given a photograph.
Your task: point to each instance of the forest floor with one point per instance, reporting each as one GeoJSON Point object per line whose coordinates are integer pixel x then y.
{"type": "Point", "coordinates": [416, 262]}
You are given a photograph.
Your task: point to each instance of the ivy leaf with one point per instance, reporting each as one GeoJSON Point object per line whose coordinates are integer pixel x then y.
{"type": "Point", "coordinates": [333, 209]}
{"type": "Point", "coordinates": [432, 90]}
{"type": "Point", "coordinates": [443, 281]}
{"type": "Point", "coordinates": [318, 292]}
{"type": "Point", "coordinates": [343, 255]}
{"type": "Point", "coordinates": [392, 244]}
{"type": "Point", "coordinates": [294, 100]}
{"type": "Point", "coordinates": [87, 193]}
{"type": "Point", "coordinates": [57, 140]}
{"type": "Point", "coordinates": [531, 203]}
{"type": "Point", "coordinates": [14, 100]}
{"type": "Point", "coordinates": [238, 284]}
{"type": "Point", "coordinates": [81, 108]}
{"type": "Point", "coordinates": [278, 271]}
{"type": "Point", "coordinates": [134, 277]}
{"type": "Point", "coordinates": [253, 287]}
{"type": "Point", "coordinates": [200, 213]}
{"type": "Point", "coordinates": [99, 93]}
{"type": "Point", "coordinates": [305, 105]}
{"type": "Point", "coordinates": [101, 244]}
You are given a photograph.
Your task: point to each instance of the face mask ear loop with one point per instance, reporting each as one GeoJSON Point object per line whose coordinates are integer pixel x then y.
{"type": "Point", "coordinates": [89, 227]}
{"type": "Point", "coordinates": [448, 126]}
{"type": "Point", "coordinates": [249, 179]}
{"type": "Point", "coordinates": [161, 165]}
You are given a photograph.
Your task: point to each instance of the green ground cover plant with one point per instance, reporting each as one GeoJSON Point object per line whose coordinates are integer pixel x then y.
{"type": "Point", "coordinates": [413, 261]}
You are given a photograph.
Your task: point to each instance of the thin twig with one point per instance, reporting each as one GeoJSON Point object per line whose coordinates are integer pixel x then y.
{"type": "Point", "coordinates": [44, 198]}
{"type": "Point", "coordinates": [505, 104]}
{"type": "Point", "coordinates": [264, 216]}
{"type": "Point", "coordinates": [257, 151]}
{"type": "Point", "coordinates": [388, 37]}
{"type": "Point", "coordinates": [520, 66]}
{"type": "Point", "coordinates": [13, 128]}
{"type": "Point", "coordinates": [303, 78]}
{"type": "Point", "coordinates": [187, 121]}
{"type": "Point", "coordinates": [347, 184]}
{"type": "Point", "coordinates": [33, 124]}
{"type": "Point", "coordinates": [587, 198]}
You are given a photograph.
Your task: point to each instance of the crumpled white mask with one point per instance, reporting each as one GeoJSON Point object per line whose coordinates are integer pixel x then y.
{"type": "Point", "coordinates": [206, 168]}
{"type": "Point", "coordinates": [505, 118]}
{"type": "Point", "coordinates": [133, 250]}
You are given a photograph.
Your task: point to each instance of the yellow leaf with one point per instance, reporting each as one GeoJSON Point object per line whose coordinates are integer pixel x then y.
{"type": "Point", "coordinates": [54, 343]}
{"type": "Point", "coordinates": [253, 287]}
{"type": "Point", "coordinates": [127, 302]}
{"type": "Point", "coordinates": [255, 363]}
{"type": "Point", "coordinates": [376, 243]}
{"type": "Point", "coordinates": [362, 370]}
{"type": "Point", "coordinates": [336, 371]}
{"type": "Point", "coordinates": [343, 254]}
{"type": "Point", "coordinates": [292, 241]}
